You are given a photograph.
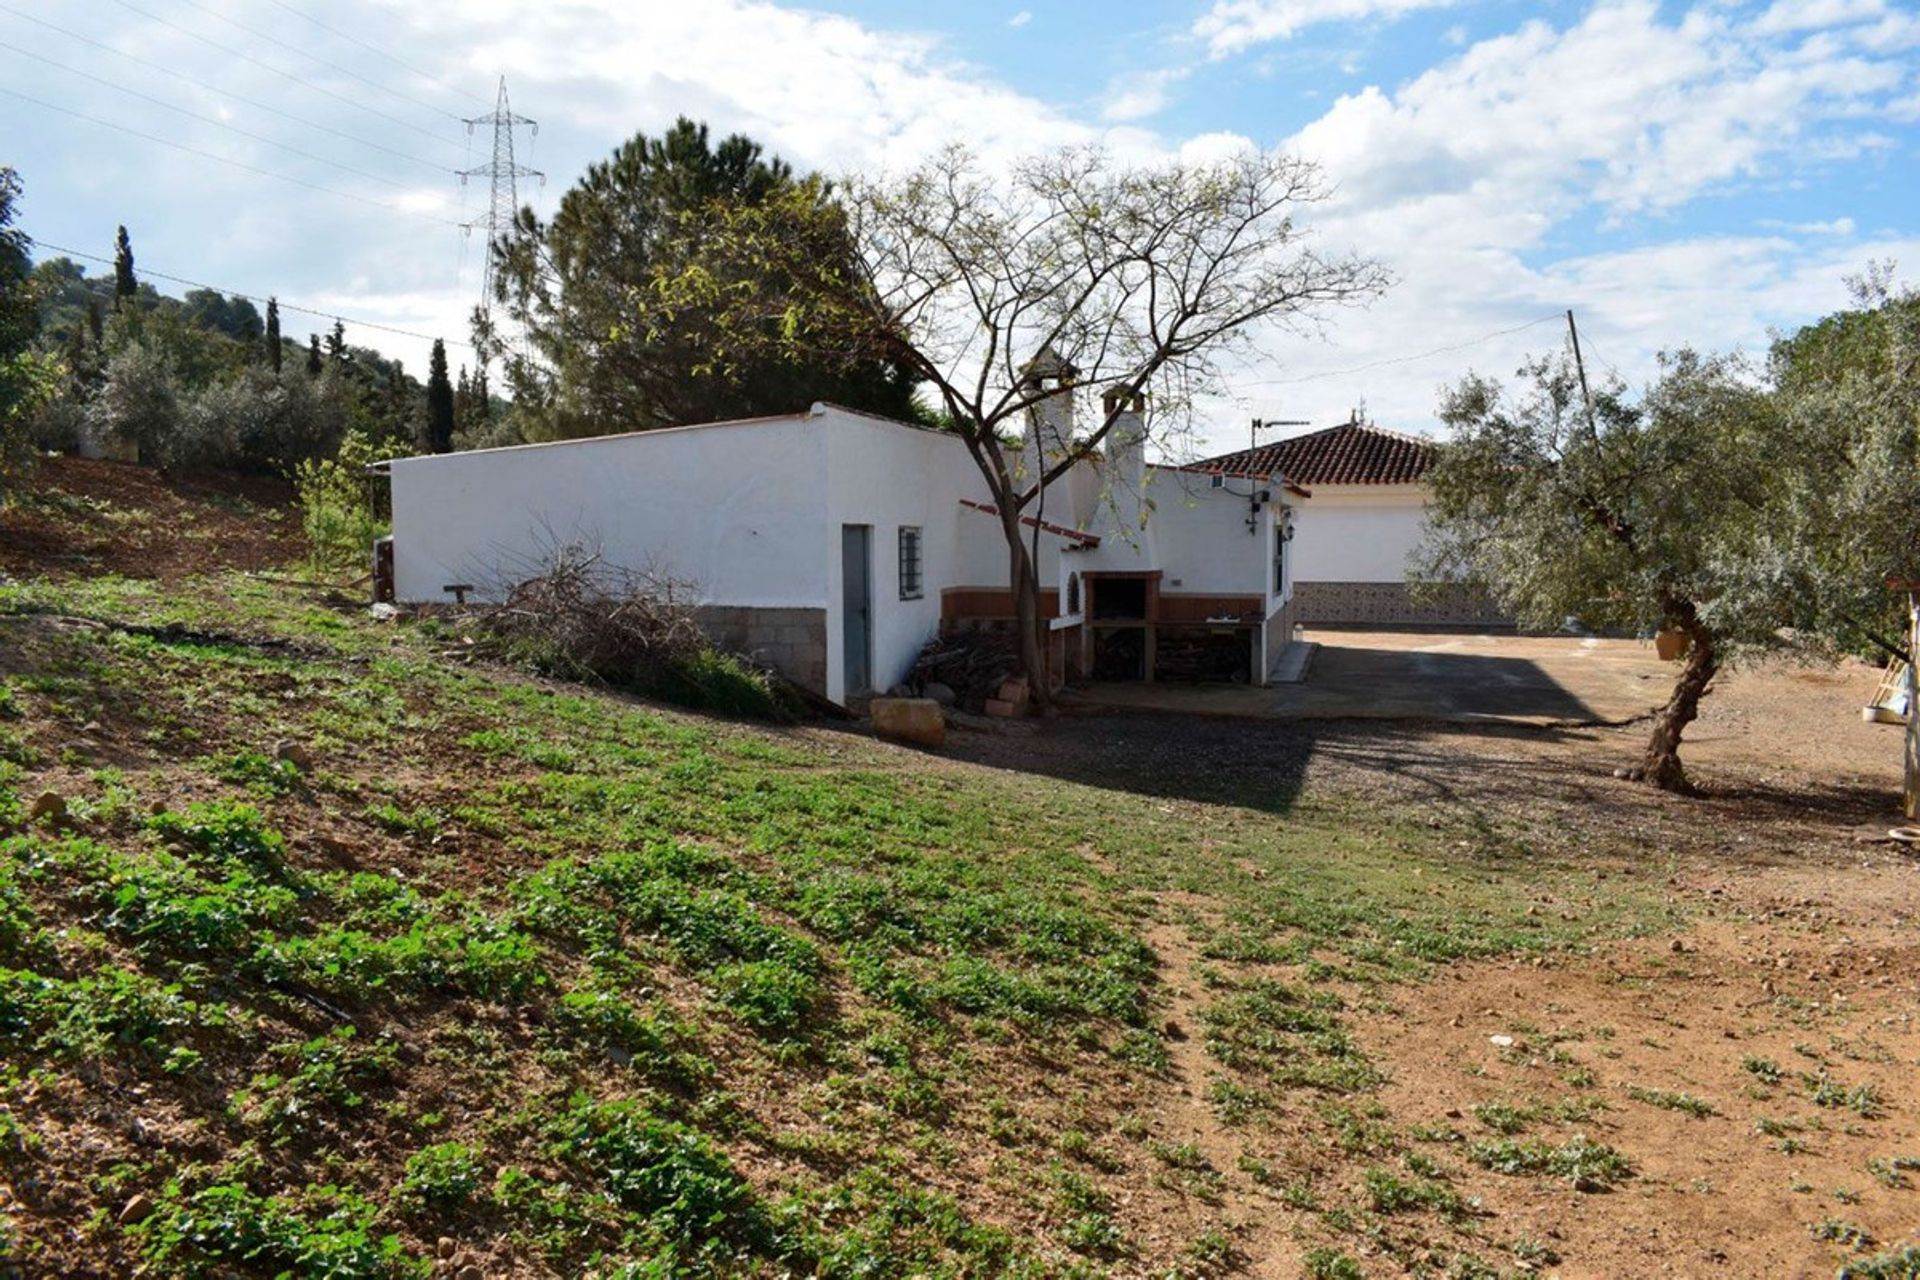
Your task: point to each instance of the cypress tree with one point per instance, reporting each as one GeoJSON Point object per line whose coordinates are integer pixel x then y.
{"type": "Point", "coordinates": [313, 355]}
{"type": "Point", "coordinates": [125, 285]}
{"type": "Point", "coordinates": [439, 401]}
{"type": "Point", "coordinates": [96, 323]}
{"type": "Point", "coordinates": [273, 334]}
{"type": "Point", "coordinates": [337, 342]}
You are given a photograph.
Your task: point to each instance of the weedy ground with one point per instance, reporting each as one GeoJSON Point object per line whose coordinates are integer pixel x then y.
{"type": "Point", "coordinates": [335, 954]}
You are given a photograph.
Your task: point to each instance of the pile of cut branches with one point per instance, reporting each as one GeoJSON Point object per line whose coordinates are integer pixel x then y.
{"type": "Point", "coordinates": [580, 618]}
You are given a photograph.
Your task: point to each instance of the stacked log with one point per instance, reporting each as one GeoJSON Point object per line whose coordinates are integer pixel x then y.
{"type": "Point", "coordinates": [973, 663]}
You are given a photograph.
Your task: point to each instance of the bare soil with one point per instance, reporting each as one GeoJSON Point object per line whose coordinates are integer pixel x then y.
{"type": "Point", "coordinates": [85, 517]}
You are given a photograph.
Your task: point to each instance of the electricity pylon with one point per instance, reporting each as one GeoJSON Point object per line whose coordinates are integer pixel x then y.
{"type": "Point", "coordinates": [503, 176]}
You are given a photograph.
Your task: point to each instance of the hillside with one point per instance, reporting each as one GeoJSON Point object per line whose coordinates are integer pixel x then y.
{"type": "Point", "coordinates": [326, 951]}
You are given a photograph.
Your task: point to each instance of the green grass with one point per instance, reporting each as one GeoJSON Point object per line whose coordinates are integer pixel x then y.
{"type": "Point", "coordinates": [551, 970]}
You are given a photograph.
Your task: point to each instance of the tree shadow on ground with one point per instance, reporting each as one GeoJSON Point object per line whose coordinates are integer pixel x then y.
{"type": "Point", "coordinates": [1554, 780]}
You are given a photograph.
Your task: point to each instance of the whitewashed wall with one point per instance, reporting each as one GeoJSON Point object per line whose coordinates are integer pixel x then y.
{"type": "Point", "coordinates": [738, 509]}
{"type": "Point", "coordinates": [1200, 534]}
{"type": "Point", "coordinates": [887, 475]}
{"type": "Point", "coordinates": [1358, 533]}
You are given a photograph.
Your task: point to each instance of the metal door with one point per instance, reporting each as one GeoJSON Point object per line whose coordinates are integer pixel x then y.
{"type": "Point", "coordinates": [856, 606]}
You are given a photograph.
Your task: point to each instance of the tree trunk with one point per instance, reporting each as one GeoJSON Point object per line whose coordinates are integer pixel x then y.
{"type": "Point", "coordinates": [1661, 764]}
{"type": "Point", "coordinates": [1024, 575]}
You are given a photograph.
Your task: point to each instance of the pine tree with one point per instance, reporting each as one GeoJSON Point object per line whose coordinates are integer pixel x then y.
{"type": "Point", "coordinates": [482, 405]}
{"type": "Point", "coordinates": [273, 334]}
{"type": "Point", "coordinates": [337, 343]}
{"type": "Point", "coordinates": [313, 355]}
{"type": "Point", "coordinates": [125, 285]}
{"type": "Point", "coordinates": [439, 401]}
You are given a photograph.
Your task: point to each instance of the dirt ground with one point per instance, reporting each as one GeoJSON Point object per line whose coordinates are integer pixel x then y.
{"type": "Point", "coordinates": [1721, 1058]}
{"type": "Point", "coordinates": [1468, 677]}
{"type": "Point", "coordinates": [86, 517]}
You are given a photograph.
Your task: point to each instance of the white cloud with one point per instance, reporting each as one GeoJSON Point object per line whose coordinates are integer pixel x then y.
{"type": "Point", "coordinates": [1465, 179]}
{"type": "Point", "coordinates": [1021, 18]}
{"type": "Point", "coordinates": [1832, 227]}
{"type": "Point", "coordinates": [1809, 15]}
{"type": "Point", "coordinates": [1233, 25]}
{"type": "Point", "coordinates": [1140, 94]}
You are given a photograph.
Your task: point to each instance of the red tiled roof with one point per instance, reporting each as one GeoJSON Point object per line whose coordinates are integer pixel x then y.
{"type": "Point", "coordinates": [1351, 453]}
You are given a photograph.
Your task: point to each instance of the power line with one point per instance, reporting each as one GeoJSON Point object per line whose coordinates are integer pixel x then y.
{"type": "Point", "coordinates": [1556, 318]}
{"type": "Point", "coordinates": [283, 305]}
{"type": "Point", "coordinates": [215, 89]}
{"type": "Point", "coordinates": [232, 52]}
{"type": "Point", "coordinates": [238, 164]}
{"type": "Point", "coordinates": [377, 50]}
{"type": "Point", "coordinates": [195, 115]}
{"type": "Point", "coordinates": [258, 34]}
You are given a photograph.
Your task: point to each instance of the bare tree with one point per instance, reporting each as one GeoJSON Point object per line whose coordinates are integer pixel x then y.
{"type": "Point", "coordinates": [1155, 279]}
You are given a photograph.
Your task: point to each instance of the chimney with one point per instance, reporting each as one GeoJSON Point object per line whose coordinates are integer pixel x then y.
{"type": "Point", "coordinates": [1126, 443]}
{"type": "Point", "coordinates": [1050, 420]}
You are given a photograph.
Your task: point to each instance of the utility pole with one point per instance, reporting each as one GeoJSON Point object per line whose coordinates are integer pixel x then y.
{"type": "Point", "coordinates": [503, 176]}
{"type": "Point", "coordinates": [1580, 365]}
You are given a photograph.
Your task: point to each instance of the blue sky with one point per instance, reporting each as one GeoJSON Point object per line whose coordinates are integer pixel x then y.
{"type": "Point", "coordinates": [1678, 174]}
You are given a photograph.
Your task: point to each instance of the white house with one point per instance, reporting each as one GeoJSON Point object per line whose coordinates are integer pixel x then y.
{"type": "Point", "coordinates": [1361, 526]}
{"type": "Point", "coordinates": [832, 544]}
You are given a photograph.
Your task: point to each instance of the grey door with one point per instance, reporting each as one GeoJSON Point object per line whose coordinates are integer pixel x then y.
{"type": "Point", "coordinates": [856, 606]}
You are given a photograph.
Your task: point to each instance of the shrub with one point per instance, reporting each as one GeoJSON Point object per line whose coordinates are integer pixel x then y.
{"type": "Point", "coordinates": [336, 509]}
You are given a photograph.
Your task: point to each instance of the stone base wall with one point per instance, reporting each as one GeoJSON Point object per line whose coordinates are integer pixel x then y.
{"type": "Point", "coordinates": [1389, 604]}
{"type": "Point", "coordinates": [791, 641]}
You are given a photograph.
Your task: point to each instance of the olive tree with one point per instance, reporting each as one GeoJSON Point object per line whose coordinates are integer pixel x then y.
{"type": "Point", "coordinates": [1154, 278]}
{"type": "Point", "coordinates": [1624, 512]}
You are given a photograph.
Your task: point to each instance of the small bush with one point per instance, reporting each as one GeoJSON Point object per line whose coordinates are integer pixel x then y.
{"type": "Point", "coordinates": [581, 619]}
{"type": "Point", "coordinates": [336, 509]}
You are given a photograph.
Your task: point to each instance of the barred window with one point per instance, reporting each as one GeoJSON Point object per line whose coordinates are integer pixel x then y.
{"type": "Point", "coordinates": [909, 562]}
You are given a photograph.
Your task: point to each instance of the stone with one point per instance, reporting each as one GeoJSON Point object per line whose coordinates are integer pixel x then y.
{"type": "Point", "coordinates": [49, 806]}
{"type": "Point", "coordinates": [1001, 709]}
{"type": "Point", "coordinates": [294, 754]}
{"type": "Point", "coordinates": [138, 1209]}
{"type": "Point", "coordinates": [445, 1246]}
{"type": "Point", "coordinates": [900, 691]}
{"type": "Point", "coordinates": [940, 693]}
{"type": "Point", "coordinates": [915, 720]}
{"type": "Point", "coordinates": [469, 1272]}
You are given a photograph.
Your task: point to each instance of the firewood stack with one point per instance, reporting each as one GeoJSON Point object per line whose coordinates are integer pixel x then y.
{"type": "Point", "coordinates": [972, 663]}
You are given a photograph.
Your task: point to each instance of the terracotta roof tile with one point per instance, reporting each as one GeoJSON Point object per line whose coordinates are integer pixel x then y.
{"type": "Point", "coordinates": [1351, 453]}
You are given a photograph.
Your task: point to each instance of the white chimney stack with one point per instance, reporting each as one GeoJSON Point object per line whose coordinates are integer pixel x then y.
{"type": "Point", "coordinates": [1126, 443]}
{"type": "Point", "coordinates": [1049, 420]}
